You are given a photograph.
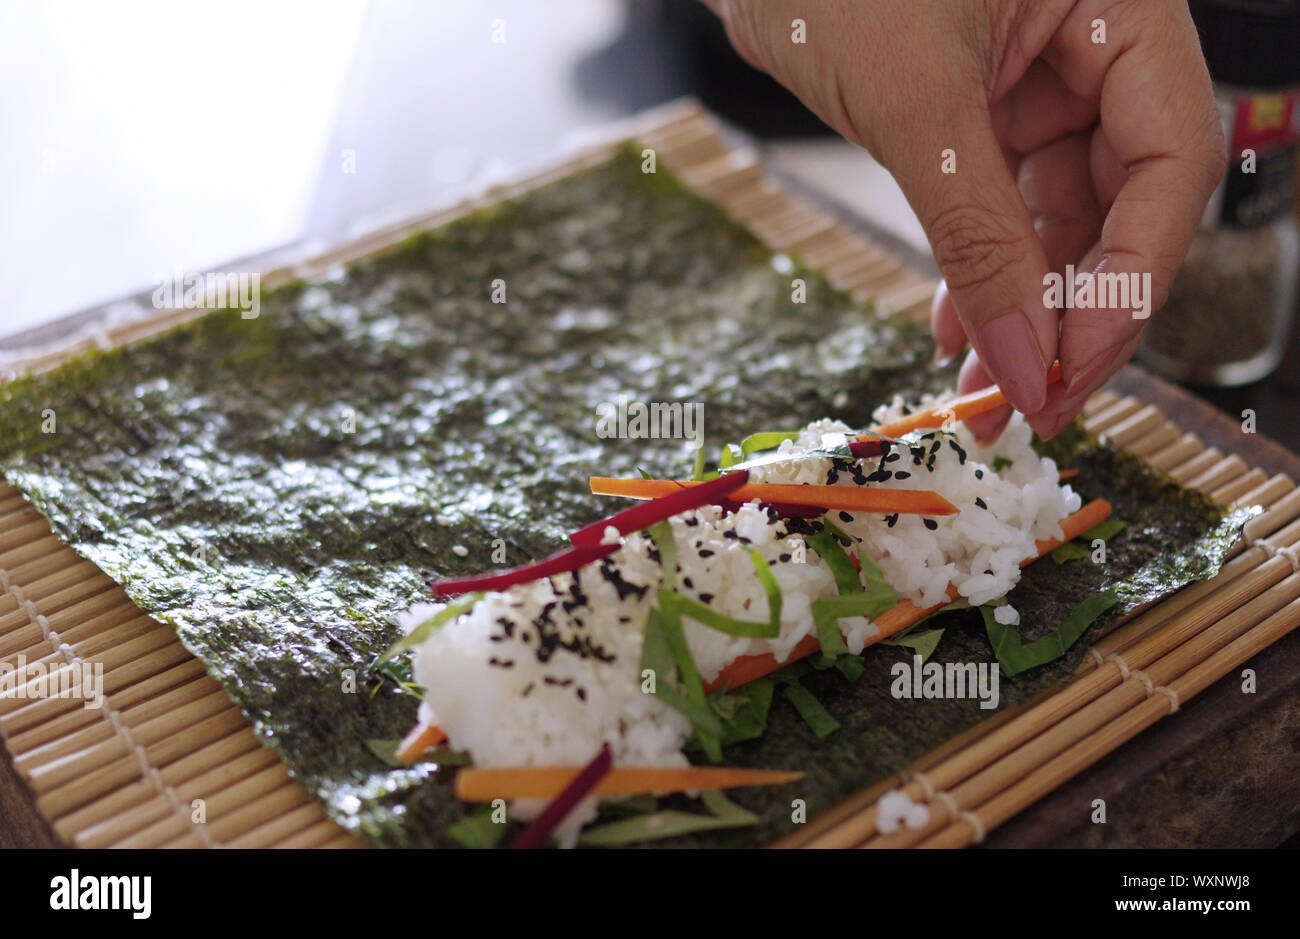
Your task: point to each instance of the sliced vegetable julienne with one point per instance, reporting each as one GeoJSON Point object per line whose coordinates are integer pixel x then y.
{"type": "Point", "coordinates": [783, 509]}
{"type": "Point", "coordinates": [658, 657]}
{"type": "Point", "coordinates": [901, 616]}
{"type": "Point", "coordinates": [847, 498]}
{"type": "Point", "coordinates": [540, 828]}
{"type": "Point", "coordinates": [763, 440]}
{"type": "Point", "coordinates": [660, 509]}
{"type": "Point", "coordinates": [670, 823]}
{"type": "Point", "coordinates": [957, 409]}
{"type": "Point", "coordinates": [921, 641]}
{"type": "Point", "coordinates": [426, 628]}
{"type": "Point", "coordinates": [842, 567]}
{"type": "Point", "coordinates": [812, 711]}
{"type": "Point", "coordinates": [1073, 551]}
{"type": "Point", "coordinates": [420, 738]}
{"type": "Point", "coordinates": [828, 612]}
{"type": "Point", "coordinates": [561, 562]}
{"type": "Point", "coordinates": [545, 782]}
{"type": "Point", "coordinates": [1016, 657]}
{"type": "Point", "coordinates": [669, 624]}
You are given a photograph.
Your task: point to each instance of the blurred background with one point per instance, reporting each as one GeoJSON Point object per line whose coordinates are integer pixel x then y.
{"type": "Point", "coordinates": [142, 138]}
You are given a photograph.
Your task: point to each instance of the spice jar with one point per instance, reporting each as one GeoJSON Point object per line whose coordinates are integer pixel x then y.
{"type": "Point", "coordinates": [1232, 303]}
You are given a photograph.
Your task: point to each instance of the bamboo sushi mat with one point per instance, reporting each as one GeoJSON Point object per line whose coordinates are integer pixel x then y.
{"type": "Point", "coordinates": [129, 774]}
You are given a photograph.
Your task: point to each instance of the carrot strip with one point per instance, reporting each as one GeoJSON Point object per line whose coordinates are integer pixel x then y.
{"type": "Point", "coordinates": [849, 498]}
{"type": "Point", "coordinates": [966, 406]}
{"type": "Point", "coordinates": [1067, 474]}
{"type": "Point", "coordinates": [421, 737]}
{"type": "Point", "coordinates": [546, 782]}
{"type": "Point", "coordinates": [901, 616]}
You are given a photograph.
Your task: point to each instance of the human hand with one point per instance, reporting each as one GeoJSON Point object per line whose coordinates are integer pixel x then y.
{"type": "Point", "coordinates": [1067, 151]}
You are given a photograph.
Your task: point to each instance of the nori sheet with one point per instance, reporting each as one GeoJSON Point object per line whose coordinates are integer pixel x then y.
{"type": "Point", "coordinates": [272, 486]}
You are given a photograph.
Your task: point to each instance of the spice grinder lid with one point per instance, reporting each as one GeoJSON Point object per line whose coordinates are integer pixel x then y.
{"type": "Point", "coordinates": [1255, 43]}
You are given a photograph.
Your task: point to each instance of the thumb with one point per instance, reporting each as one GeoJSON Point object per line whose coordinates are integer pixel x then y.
{"type": "Point", "coordinates": [958, 182]}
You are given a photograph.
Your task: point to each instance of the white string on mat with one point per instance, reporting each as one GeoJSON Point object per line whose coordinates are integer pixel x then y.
{"type": "Point", "coordinates": [973, 820]}
{"type": "Point", "coordinates": [147, 770]}
{"type": "Point", "coordinates": [1290, 552]}
{"type": "Point", "coordinates": [1150, 686]}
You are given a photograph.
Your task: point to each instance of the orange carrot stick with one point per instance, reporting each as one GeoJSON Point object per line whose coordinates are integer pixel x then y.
{"type": "Point", "coordinates": [966, 406]}
{"type": "Point", "coordinates": [545, 782]}
{"type": "Point", "coordinates": [421, 737]}
{"type": "Point", "coordinates": [902, 615]}
{"type": "Point", "coordinates": [1067, 474]}
{"type": "Point", "coordinates": [849, 498]}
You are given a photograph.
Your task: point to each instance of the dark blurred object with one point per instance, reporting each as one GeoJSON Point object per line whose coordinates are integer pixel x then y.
{"type": "Point", "coordinates": [682, 48]}
{"type": "Point", "coordinates": [1230, 310]}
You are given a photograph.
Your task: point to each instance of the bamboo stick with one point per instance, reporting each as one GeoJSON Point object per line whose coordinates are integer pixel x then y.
{"type": "Point", "coordinates": [128, 809]}
{"type": "Point", "coordinates": [1184, 472]}
{"type": "Point", "coordinates": [1121, 409]}
{"type": "Point", "coordinates": [1159, 438]}
{"type": "Point", "coordinates": [1223, 472]}
{"type": "Point", "coordinates": [1194, 680]}
{"type": "Point", "coordinates": [1186, 447]}
{"type": "Point", "coordinates": [271, 832]}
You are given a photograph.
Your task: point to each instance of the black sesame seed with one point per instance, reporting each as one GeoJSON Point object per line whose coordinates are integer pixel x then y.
{"type": "Point", "coordinates": [891, 520]}
{"type": "Point", "coordinates": [706, 553]}
{"type": "Point", "coordinates": [979, 474]}
{"type": "Point", "coordinates": [582, 694]}
{"type": "Point", "coordinates": [785, 559]}
{"type": "Point", "coordinates": [980, 503]}
{"type": "Point", "coordinates": [845, 517]}
{"type": "Point", "coordinates": [902, 474]}
{"type": "Point", "coordinates": [686, 581]}
{"type": "Point", "coordinates": [930, 524]}
{"type": "Point", "coordinates": [706, 598]}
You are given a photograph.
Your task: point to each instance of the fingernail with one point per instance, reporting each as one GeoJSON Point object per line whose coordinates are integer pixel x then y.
{"type": "Point", "coordinates": [1088, 374]}
{"type": "Point", "coordinates": [941, 359]}
{"type": "Point", "coordinates": [1010, 353]}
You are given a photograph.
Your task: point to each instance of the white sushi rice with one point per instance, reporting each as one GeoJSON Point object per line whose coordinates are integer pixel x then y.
{"type": "Point", "coordinates": [545, 673]}
{"type": "Point", "coordinates": [894, 810]}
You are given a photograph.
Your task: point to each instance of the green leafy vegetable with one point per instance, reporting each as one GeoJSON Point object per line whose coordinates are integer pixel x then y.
{"type": "Point", "coordinates": [923, 642]}
{"type": "Point", "coordinates": [1016, 658]}
{"type": "Point", "coordinates": [681, 605]}
{"type": "Point", "coordinates": [742, 713]}
{"type": "Point", "coordinates": [479, 830]}
{"type": "Point", "coordinates": [850, 666]}
{"type": "Point", "coordinates": [424, 630]}
{"type": "Point", "coordinates": [669, 823]}
{"type": "Point", "coordinates": [815, 715]}
{"type": "Point", "coordinates": [697, 471]}
{"type": "Point", "coordinates": [1081, 547]}
{"type": "Point", "coordinates": [658, 654]}
{"type": "Point", "coordinates": [1000, 463]}
{"type": "Point", "coordinates": [666, 545]}
{"type": "Point", "coordinates": [830, 550]}
{"type": "Point", "coordinates": [828, 611]}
